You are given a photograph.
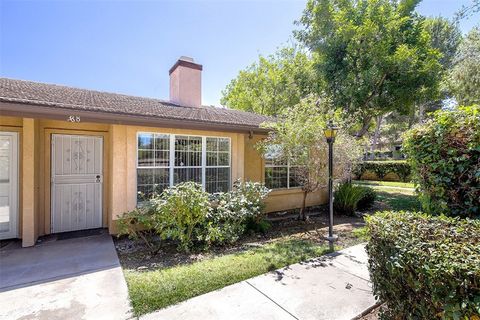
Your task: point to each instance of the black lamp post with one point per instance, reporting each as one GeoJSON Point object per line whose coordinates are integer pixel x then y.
{"type": "Point", "coordinates": [330, 133]}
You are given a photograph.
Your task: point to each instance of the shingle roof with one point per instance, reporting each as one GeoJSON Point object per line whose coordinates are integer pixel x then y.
{"type": "Point", "coordinates": [57, 96]}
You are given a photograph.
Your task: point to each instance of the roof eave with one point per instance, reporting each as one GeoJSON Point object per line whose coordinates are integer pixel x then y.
{"type": "Point", "coordinates": [31, 110]}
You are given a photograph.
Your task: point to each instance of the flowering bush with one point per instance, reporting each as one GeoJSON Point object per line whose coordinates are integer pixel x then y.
{"type": "Point", "coordinates": [231, 211]}
{"type": "Point", "coordinates": [187, 214]}
{"type": "Point", "coordinates": [244, 201]}
{"type": "Point", "coordinates": [179, 214]}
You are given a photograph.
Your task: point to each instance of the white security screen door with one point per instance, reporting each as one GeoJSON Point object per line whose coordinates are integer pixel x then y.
{"type": "Point", "coordinates": [8, 185]}
{"type": "Point", "coordinates": [77, 179]}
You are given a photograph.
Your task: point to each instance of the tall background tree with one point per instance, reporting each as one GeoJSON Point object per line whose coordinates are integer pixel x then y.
{"type": "Point", "coordinates": [272, 84]}
{"type": "Point", "coordinates": [464, 77]}
{"type": "Point", "coordinates": [445, 36]}
{"type": "Point", "coordinates": [375, 56]}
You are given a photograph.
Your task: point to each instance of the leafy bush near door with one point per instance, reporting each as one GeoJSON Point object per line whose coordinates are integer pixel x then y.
{"type": "Point", "coordinates": [444, 154]}
{"type": "Point", "coordinates": [179, 214]}
{"type": "Point", "coordinates": [425, 267]}
{"type": "Point", "coordinates": [190, 216]}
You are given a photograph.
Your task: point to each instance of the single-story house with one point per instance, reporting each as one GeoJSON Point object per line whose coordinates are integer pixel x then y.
{"type": "Point", "coordinates": [74, 159]}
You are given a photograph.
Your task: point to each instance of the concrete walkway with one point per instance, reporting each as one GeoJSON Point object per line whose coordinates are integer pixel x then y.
{"type": "Point", "coordinates": [332, 287]}
{"type": "Point", "coordinates": [65, 279]}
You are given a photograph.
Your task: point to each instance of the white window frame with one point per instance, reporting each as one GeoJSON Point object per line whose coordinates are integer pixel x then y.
{"type": "Point", "coordinates": [152, 167]}
{"type": "Point", "coordinates": [288, 166]}
{"type": "Point", "coordinates": [172, 158]}
{"type": "Point", "coordinates": [172, 166]}
{"type": "Point", "coordinates": [204, 160]}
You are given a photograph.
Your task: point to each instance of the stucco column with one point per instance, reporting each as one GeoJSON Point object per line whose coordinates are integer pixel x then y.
{"type": "Point", "coordinates": [240, 154]}
{"type": "Point", "coordinates": [118, 174]}
{"type": "Point", "coordinates": [29, 227]}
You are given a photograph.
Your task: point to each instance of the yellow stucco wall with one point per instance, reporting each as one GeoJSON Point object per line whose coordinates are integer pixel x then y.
{"type": "Point", "coordinates": [120, 156]}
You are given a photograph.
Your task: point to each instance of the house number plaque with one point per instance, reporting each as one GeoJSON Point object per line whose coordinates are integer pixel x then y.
{"type": "Point", "coordinates": [73, 119]}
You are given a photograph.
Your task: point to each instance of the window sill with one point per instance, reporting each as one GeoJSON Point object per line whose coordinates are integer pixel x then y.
{"type": "Point", "coordinates": [277, 192]}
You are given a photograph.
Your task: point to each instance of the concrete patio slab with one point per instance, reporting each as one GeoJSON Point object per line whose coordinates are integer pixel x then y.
{"type": "Point", "coordinates": [55, 260]}
{"type": "Point", "coordinates": [335, 287]}
{"type": "Point", "coordinates": [68, 279]}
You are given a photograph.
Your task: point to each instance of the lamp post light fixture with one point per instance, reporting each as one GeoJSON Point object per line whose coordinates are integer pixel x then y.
{"type": "Point", "coordinates": [330, 134]}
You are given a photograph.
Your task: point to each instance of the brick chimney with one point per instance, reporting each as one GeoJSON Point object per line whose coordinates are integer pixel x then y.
{"type": "Point", "coordinates": [186, 82]}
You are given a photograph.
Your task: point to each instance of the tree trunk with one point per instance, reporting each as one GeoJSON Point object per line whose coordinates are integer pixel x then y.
{"type": "Point", "coordinates": [376, 133]}
{"type": "Point", "coordinates": [364, 129]}
{"type": "Point", "coordinates": [303, 216]}
{"type": "Point", "coordinates": [421, 113]}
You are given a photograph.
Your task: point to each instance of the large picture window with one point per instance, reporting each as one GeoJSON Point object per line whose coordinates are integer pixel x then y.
{"type": "Point", "coordinates": [279, 173]}
{"type": "Point", "coordinates": [164, 160]}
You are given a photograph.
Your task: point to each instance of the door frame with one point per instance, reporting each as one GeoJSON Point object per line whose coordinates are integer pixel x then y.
{"type": "Point", "coordinates": [47, 145]}
{"type": "Point", "coordinates": [14, 181]}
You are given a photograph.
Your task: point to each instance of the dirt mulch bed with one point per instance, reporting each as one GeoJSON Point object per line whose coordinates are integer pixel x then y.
{"type": "Point", "coordinates": [134, 255]}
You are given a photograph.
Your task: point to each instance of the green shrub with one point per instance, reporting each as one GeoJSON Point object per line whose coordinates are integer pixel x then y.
{"type": "Point", "coordinates": [183, 209]}
{"type": "Point", "coordinates": [141, 224]}
{"type": "Point", "coordinates": [425, 267]}
{"type": "Point", "coordinates": [444, 154]}
{"type": "Point", "coordinates": [232, 212]}
{"type": "Point", "coordinates": [346, 198]}
{"type": "Point", "coordinates": [368, 199]}
{"type": "Point", "coordinates": [179, 213]}
{"type": "Point", "coordinates": [382, 168]}
{"type": "Point", "coordinates": [258, 226]}
{"type": "Point", "coordinates": [187, 214]}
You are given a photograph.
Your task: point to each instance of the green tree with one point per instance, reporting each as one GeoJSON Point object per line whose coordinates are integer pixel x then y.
{"type": "Point", "coordinates": [272, 84]}
{"type": "Point", "coordinates": [464, 78]}
{"type": "Point", "coordinates": [299, 138]}
{"type": "Point", "coordinates": [445, 36]}
{"type": "Point", "coordinates": [374, 55]}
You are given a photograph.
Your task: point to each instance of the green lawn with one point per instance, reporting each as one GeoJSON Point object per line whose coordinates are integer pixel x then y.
{"type": "Point", "coordinates": [398, 199]}
{"type": "Point", "coordinates": [394, 194]}
{"type": "Point", "coordinates": [153, 290]}
{"type": "Point", "coordinates": [385, 183]}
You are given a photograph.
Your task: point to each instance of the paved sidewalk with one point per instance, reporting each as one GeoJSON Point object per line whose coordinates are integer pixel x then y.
{"type": "Point", "coordinates": [333, 287]}
{"type": "Point", "coordinates": [65, 279]}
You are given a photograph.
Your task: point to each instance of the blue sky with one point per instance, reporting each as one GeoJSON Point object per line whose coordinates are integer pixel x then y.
{"type": "Point", "coordinates": [129, 46]}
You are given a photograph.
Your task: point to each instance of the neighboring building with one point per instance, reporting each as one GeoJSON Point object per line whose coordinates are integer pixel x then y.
{"type": "Point", "coordinates": [73, 159]}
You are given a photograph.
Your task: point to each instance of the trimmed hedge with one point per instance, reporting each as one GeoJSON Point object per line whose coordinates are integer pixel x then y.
{"type": "Point", "coordinates": [425, 267]}
{"type": "Point", "coordinates": [382, 168]}
{"type": "Point", "coordinates": [445, 158]}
